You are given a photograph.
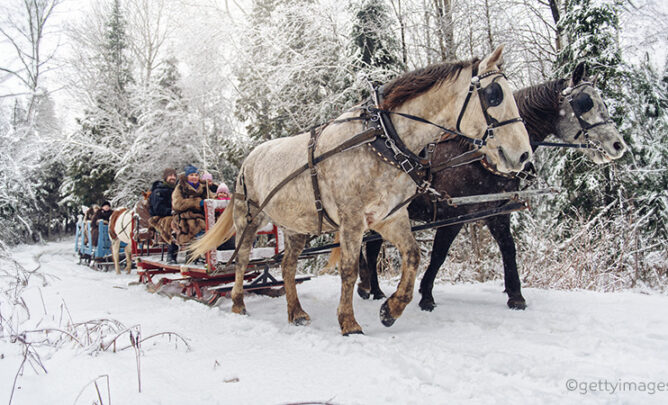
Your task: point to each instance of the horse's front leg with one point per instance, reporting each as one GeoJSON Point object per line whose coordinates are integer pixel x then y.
{"type": "Point", "coordinates": [115, 251]}
{"type": "Point", "coordinates": [439, 251]}
{"type": "Point", "coordinates": [351, 233]}
{"type": "Point", "coordinates": [499, 226]}
{"type": "Point", "coordinates": [294, 244]}
{"type": "Point", "coordinates": [128, 257]}
{"type": "Point", "coordinates": [398, 232]}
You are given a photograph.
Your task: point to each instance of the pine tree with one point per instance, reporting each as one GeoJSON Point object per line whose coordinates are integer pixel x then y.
{"type": "Point", "coordinates": [108, 125]}
{"type": "Point", "coordinates": [592, 29]}
{"type": "Point", "coordinates": [375, 50]}
{"type": "Point", "coordinates": [294, 73]}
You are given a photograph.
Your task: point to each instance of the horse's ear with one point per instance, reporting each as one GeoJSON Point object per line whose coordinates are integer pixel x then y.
{"type": "Point", "coordinates": [496, 58]}
{"type": "Point", "coordinates": [578, 74]}
{"type": "Point", "coordinates": [595, 79]}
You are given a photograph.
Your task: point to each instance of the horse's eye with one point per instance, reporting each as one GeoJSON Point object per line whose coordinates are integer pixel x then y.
{"type": "Point", "coordinates": [582, 103]}
{"type": "Point", "coordinates": [493, 94]}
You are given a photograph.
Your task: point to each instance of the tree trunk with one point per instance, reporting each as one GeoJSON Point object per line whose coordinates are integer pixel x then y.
{"type": "Point", "coordinates": [488, 18]}
{"type": "Point", "coordinates": [446, 36]}
{"type": "Point", "coordinates": [555, 7]}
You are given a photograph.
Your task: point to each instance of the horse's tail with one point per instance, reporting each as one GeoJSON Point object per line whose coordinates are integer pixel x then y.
{"type": "Point", "coordinates": [222, 231]}
{"type": "Point", "coordinates": [334, 257]}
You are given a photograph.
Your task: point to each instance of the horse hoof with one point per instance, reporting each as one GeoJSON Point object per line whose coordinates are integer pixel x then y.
{"type": "Point", "coordinates": [427, 304]}
{"type": "Point", "coordinates": [302, 321]}
{"type": "Point", "coordinates": [378, 295]}
{"type": "Point", "coordinates": [363, 293]}
{"type": "Point", "coordinates": [517, 303]}
{"type": "Point", "coordinates": [354, 332]}
{"type": "Point", "coordinates": [385, 317]}
{"type": "Point", "coordinates": [240, 311]}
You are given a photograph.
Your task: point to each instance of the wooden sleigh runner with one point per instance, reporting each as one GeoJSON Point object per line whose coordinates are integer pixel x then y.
{"type": "Point", "coordinates": [207, 282]}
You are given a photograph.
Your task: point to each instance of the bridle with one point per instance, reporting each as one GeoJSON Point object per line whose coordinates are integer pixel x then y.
{"type": "Point", "coordinates": [578, 111]}
{"type": "Point", "coordinates": [485, 102]}
{"type": "Point", "coordinates": [391, 149]}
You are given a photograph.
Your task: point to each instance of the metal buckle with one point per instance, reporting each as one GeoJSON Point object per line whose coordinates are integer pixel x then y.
{"type": "Point", "coordinates": [314, 171]}
{"type": "Point", "coordinates": [318, 205]}
{"type": "Point", "coordinates": [478, 142]}
{"type": "Point", "coordinates": [407, 163]}
{"type": "Point", "coordinates": [522, 175]}
{"type": "Point", "coordinates": [490, 132]}
{"type": "Point", "coordinates": [430, 148]}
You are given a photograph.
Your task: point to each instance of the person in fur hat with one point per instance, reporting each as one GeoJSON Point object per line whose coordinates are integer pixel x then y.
{"type": "Point", "coordinates": [188, 206]}
{"type": "Point", "coordinates": [104, 213]}
{"type": "Point", "coordinates": [161, 210]}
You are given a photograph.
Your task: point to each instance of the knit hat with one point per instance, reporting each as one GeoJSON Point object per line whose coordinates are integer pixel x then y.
{"type": "Point", "coordinates": [168, 172]}
{"type": "Point", "coordinates": [105, 203]}
{"type": "Point", "coordinates": [190, 169]}
{"type": "Point", "coordinates": [222, 188]}
{"type": "Point", "coordinates": [206, 176]}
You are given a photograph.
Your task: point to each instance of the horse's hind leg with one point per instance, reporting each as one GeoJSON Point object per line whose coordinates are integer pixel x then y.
{"type": "Point", "coordinates": [294, 244]}
{"type": "Point", "coordinates": [115, 251]}
{"type": "Point", "coordinates": [372, 251]}
{"type": "Point", "coordinates": [397, 231]}
{"type": "Point", "coordinates": [244, 245]}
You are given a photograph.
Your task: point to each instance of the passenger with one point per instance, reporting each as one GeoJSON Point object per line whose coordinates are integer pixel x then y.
{"type": "Point", "coordinates": [222, 192]}
{"type": "Point", "coordinates": [188, 206]}
{"type": "Point", "coordinates": [210, 186]}
{"type": "Point", "coordinates": [161, 211]}
{"type": "Point", "coordinates": [104, 213]}
{"type": "Point", "coordinates": [88, 217]}
{"type": "Point", "coordinates": [91, 212]}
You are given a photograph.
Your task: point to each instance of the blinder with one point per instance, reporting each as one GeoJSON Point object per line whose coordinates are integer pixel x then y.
{"type": "Point", "coordinates": [581, 103]}
{"type": "Point", "coordinates": [489, 96]}
{"type": "Point", "coordinates": [493, 94]}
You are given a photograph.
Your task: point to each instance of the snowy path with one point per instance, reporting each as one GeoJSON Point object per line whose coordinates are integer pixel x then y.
{"type": "Point", "coordinates": [471, 349]}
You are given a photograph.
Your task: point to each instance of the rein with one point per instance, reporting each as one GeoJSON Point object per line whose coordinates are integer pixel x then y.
{"type": "Point", "coordinates": [383, 139]}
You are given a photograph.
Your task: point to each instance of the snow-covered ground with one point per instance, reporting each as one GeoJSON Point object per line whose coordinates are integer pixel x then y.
{"type": "Point", "coordinates": [567, 347]}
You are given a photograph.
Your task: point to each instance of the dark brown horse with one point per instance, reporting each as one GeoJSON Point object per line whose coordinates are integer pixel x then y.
{"type": "Point", "coordinates": [565, 108]}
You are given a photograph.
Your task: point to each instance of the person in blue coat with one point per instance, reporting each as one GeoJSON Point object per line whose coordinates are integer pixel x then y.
{"type": "Point", "coordinates": [160, 209]}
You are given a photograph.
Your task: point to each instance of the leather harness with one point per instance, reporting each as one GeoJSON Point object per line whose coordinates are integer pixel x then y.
{"type": "Point", "coordinates": [382, 139]}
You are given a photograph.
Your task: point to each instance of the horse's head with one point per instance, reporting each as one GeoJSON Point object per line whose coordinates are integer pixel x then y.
{"type": "Point", "coordinates": [491, 114]}
{"type": "Point", "coordinates": [586, 119]}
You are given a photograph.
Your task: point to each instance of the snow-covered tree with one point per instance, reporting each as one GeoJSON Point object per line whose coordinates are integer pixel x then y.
{"type": "Point", "coordinates": [293, 73]}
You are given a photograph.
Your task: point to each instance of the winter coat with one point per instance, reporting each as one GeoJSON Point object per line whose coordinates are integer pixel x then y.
{"type": "Point", "coordinates": [99, 215]}
{"type": "Point", "coordinates": [161, 199]}
{"type": "Point", "coordinates": [188, 213]}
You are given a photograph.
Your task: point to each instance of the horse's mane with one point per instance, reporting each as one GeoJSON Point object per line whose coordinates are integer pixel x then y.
{"type": "Point", "coordinates": [539, 107]}
{"type": "Point", "coordinates": [416, 82]}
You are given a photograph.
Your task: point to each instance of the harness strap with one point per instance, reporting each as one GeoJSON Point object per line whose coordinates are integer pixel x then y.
{"type": "Point", "coordinates": [319, 207]}
{"type": "Point", "coordinates": [357, 140]}
{"type": "Point", "coordinates": [564, 145]}
{"type": "Point", "coordinates": [465, 158]}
